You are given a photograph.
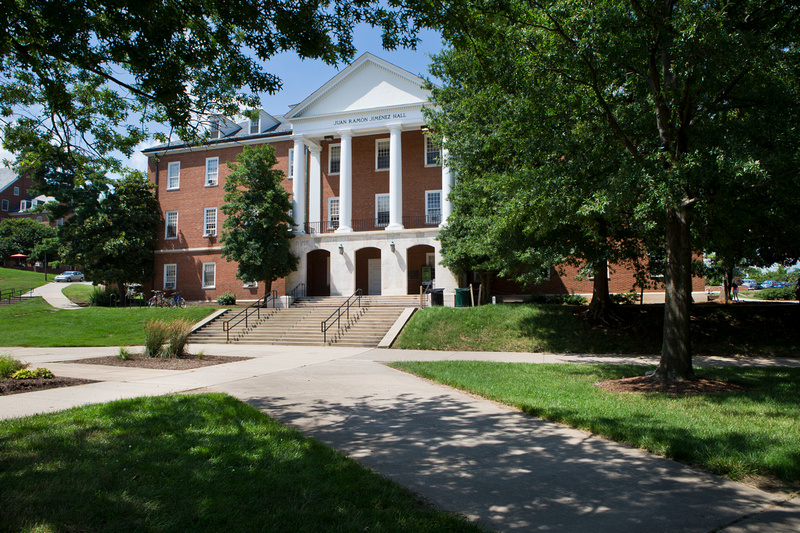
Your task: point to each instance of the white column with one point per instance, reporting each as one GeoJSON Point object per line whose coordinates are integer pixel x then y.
{"type": "Point", "coordinates": [315, 188]}
{"type": "Point", "coordinates": [395, 178]}
{"type": "Point", "coordinates": [346, 183]}
{"type": "Point", "coordinates": [447, 186]}
{"type": "Point", "coordinates": [299, 186]}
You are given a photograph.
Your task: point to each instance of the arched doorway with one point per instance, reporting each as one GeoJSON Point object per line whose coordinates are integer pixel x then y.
{"type": "Point", "coordinates": [368, 270]}
{"type": "Point", "coordinates": [318, 269]}
{"type": "Point", "coordinates": [421, 260]}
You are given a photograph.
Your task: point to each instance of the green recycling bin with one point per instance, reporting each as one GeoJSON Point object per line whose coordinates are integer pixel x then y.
{"type": "Point", "coordinates": [462, 297]}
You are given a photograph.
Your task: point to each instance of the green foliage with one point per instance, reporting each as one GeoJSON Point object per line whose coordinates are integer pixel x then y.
{"type": "Point", "coordinates": [179, 331]}
{"type": "Point", "coordinates": [23, 236]}
{"type": "Point", "coordinates": [9, 365]}
{"type": "Point", "coordinates": [207, 460]}
{"type": "Point", "coordinates": [739, 434]}
{"type": "Point", "coordinates": [783, 293]}
{"type": "Point", "coordinates": [124, 354]}
{"type": "Point", "coordinates": [226, 298]}
{"type": "Point", "coordinates": [166, 338]}
{"type": "Point", "coordinates": [560, 299]}
{"type": "Point", "coordinates": [156, 334]}
{"type": "Point", "coordinates": [625, 298]}
{"type": "Point", "coordinates": [26, 373]}
{"type": "Point", "coordinates": [257, 233]}
{"type": "Point", "coordinates": [101, 297]}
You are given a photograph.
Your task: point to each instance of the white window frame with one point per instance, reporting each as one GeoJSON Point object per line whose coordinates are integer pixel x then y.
{"type": "Point", "coordinates": [428, 209]}
{"type": "Point", "coordinates": [331, 159]}
{"type": "Point", "coordinates": [431, 148]}
{"type": "Point", "coordinates": [23, 205]}
{"type": "Point", "coordinates": [334, 201]}
{"type": "Point", "coordinates": [378, 199]}
{"type": "Point", "coordinates": [212, 178]}
{"type": "Point", "coordinates": [291, 163]}
{"type": "Point", "coordinates": [209, 222]}
{"type": "Point", "coordinates": [16, 191]}
{"type": "Point", "coordinates": [213, 271]}
{"type": "Point", "coordinates": [59, 222]}
{"type": "Point", "coordinates": [174, 176]}
{"type": "Point", "coordinates": [4, 205]}
{"type": "Point", "coordinates": [214, 129]}
{"type": "Point", "coordinates": [378, 144]}
{"type": "Point", "coordinates": [170, 279]}
{"type": "Point", "coordinates": [167, 225]}
{"type": "Point", "coordinates": [255, 124]}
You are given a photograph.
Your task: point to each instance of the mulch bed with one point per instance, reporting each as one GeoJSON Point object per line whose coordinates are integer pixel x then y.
{"type": "Point", "coordinates": [678, 388]}
{"type": "Point", "coordinates": [16, 386]}
{"type": "Point", "coordinates": [165, 363]}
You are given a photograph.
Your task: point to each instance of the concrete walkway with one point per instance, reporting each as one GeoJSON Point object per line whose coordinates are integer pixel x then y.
{"type": "Point", "coordinates": [507, 470]}
{"type": "Point", "coordinates": [52, 294]}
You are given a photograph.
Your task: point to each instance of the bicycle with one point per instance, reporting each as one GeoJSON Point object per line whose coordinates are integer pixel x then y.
{"type": "Point", "coordinates": [157, 300]}
{"type": "Point", "coordinates": [177, 301]}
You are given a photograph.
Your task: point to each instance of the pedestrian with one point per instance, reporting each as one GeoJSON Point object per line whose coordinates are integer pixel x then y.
{"type": "Point", "coordinates": [735, 291]}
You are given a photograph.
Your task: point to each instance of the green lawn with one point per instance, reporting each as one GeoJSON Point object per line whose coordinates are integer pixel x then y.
{"type": "Point", "coordinates": [191, 463]}
{"type": "Point", "coordinates": [78, 293]}
{"type": "Point", "coordinates": [35, 323]}
{"type": "Point", "coordinates": [13, 278]}
{"type": "Point", "coordinates": [738, 435]}
{"type": "Point", "coordinates": [746, 329]}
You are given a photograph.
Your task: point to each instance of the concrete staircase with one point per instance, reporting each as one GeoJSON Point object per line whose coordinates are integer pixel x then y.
{"type": "Point", "coordinates": [300, 325]}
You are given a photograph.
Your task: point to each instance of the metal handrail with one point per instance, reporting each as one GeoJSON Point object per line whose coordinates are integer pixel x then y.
{"type": "Point", "coordinates": [9, 294]}
{"type": "Point", "coordinates": [247, 311]}
{"type": "Point", "coordinates": [299, 288]}
{"type": "Point", "coordinates": [356, 297]}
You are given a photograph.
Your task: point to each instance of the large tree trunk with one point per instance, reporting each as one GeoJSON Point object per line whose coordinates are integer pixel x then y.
{"type": "Point", "coordinates": [601, 308]}
{"type": "Point", "coordinates": [676, 353]}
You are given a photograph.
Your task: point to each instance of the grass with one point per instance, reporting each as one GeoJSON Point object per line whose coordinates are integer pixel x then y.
{"type": "Point", "coordinates": [14, 278]}
{"type": "Point", "coordinates": [191, 463]}
{"type": "Point", "coordinates": [35, 323]}
{"type": "Point", "coordinates": [739, 435]}
{"type": "Point", "coordinates": [79, 294]}
{"type": "Point", "coordinates": [748, 330]}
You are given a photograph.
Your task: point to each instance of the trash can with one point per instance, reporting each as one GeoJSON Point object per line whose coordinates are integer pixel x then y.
{"type": "Point", "coordinates": [462, 297]}
{"type": "Point", "coordinates": [437, 297]}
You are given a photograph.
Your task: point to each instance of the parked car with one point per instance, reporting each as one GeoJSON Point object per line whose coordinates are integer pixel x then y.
{"type": "Point", "coordinates": [751, 284]}
{"type": "Point", "coordinates": [73, 275]}
{"type": "Point", "coordinates": [781, 284]}
{"type": "Point", "coordinates": [768, 284]}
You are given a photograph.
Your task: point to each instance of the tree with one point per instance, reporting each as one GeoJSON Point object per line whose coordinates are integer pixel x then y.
{"type": "Point", "coordinates": [114, 236]}
{"type": "Point", "coordinates": [257, 233]}
{"type": "Point", "coordinates": [22, 236]}
{"type": "Point", "coordinates": [671, 92]}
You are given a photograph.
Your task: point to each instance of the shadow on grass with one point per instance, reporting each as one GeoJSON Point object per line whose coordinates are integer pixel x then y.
{"type": "Point", "coordinates": [190, 463]}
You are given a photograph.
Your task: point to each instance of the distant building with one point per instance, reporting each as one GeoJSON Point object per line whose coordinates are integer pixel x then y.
{"type": "Point", "coordinates": [369, 189]}
{"type": "Point", "coordinates": [16, 200]}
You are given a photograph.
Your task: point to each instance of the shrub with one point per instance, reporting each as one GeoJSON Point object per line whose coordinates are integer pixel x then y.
{"type": "Point", "coordinates": [783, 293]}
{"type": "Point", "coordinates": [102, 297]}
{"type": "Point", "coordinates": [26, 373]}
{"type": "Point", "coordinates": [226, 298]}
{"type": "Point", "coordinates": [156, 333]}
{"type": "Point", "coordinates": [179, 331]}
{"type": "Point", "coordinates": [9, 365]}
{"type": "Point", "coordinates": [625, 298]}
{"type": "Point", "coordinates": [124, 354]}
{"type": "Point", "coordinates": [568, 299]}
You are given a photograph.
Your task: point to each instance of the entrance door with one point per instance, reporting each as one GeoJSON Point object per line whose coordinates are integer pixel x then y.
{"type": "Point", "coordinates": [374, 272]}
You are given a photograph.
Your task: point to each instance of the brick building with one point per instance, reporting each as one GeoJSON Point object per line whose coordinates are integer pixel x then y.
{"type": "Point", "coordinates": [368, 187]}
{"type": "Point", "coordinates": [16, 200]}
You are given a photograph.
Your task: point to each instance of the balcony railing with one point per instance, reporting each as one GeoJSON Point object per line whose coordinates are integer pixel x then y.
{"type": "Point", "coordinates": [372, 224]}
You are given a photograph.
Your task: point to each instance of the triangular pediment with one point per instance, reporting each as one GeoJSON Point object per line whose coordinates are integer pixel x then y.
{"type": "Point", "coordinates": [368, 83]}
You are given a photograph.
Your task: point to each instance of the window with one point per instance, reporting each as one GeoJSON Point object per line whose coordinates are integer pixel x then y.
{"type": "Point", "coordinates": [291, 163]}
{"type": "Point", "coordinates": [38, 219]}
{"type": "Point", "coordinates": [333, 212]}
{"type": "Point", "coordinates": [59, 222]}
{"type": "Point", "coordinates": [433, 207]}
{"type": "Point", "coordinates": [170, 277]}
{"type": "Point", "coordinates": [5, 205]}
{"type": "Point", "coordinates": [16, 191]}
{"type": "Point", "coordinates": [23, 205]}
{"type": "Point", "coordinates": [213, 130]}
{"type": "Point", "coordinates": [334, 158]}
{"type": "Point", "coordinates": [381, 210]}
{"type": "Point", "coordinates": [382, 154]}
{"type": "Point", "coordinates": [209, 275]}
{"type": "Point", "coordinates": [171, 218]}
{"type": "Point", "coordinates": [255, 126]}
{"type": "Point", "coordinates": [432, 153]}
{"type": "Point", "coordinates": [174, 175]}
{"type": "Point", "coordinates": [210, 222]}
{"type": "Point", "coordinates": [212, 171]}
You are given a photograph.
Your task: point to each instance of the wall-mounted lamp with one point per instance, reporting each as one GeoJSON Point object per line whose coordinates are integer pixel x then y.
{"type": "Point", "coordinates": [328, 137]}
{"type": "Point", "coordinates": [391, 245]}
{"type": "Point", "coordinates": [341, 249]}
{"type": "Point", "coordinates": [425, 128]}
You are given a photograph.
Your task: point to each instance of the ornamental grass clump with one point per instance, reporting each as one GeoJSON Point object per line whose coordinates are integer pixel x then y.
{"type": "Point", "coordinates": [179, 331]}
{"type": "Point", "coordinates": [9, 365]}
{"type": "Point", "coordinates": [156, 333]}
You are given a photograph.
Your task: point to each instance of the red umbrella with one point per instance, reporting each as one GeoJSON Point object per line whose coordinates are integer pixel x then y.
{"type": "Point", "coordinates": [18, 256]}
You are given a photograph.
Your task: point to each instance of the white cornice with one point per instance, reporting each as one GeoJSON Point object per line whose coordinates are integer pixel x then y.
{"type": "Point", "coordinates": [218, 146]}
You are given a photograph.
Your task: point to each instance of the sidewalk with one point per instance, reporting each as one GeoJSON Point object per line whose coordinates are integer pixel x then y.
{"type": "Point", "coordinates": [52, 294]}
{"type": "Point", "coordinates": [507, 470]}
